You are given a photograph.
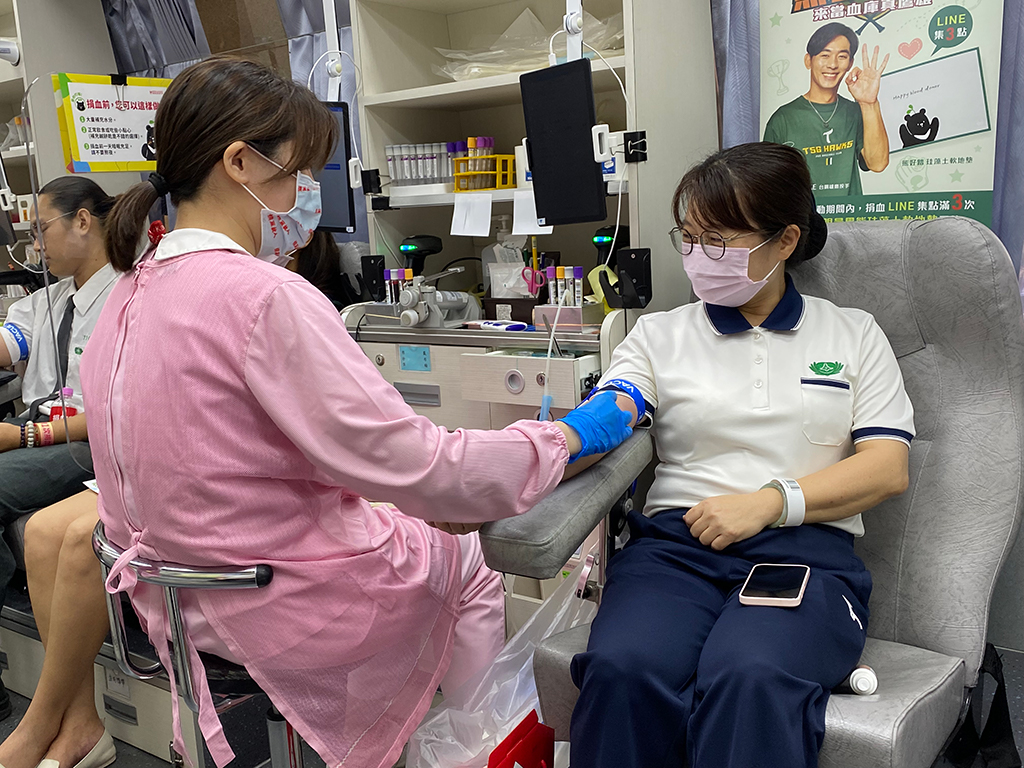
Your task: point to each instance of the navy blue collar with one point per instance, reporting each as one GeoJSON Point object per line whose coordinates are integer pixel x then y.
{"type": "Point", "coordinates": [785, 317]}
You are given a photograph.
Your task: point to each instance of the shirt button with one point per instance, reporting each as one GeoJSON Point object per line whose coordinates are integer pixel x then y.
{"type": "Point", "coordinates": [757, 335]}
{"type": "Point", "coordinates": [758, 384]}
{"type": "Point", "coordinates": [758, 360]}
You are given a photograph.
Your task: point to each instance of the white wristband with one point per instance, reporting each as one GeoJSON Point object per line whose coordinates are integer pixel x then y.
{"type": "Point", "coordinates": [796, 505]}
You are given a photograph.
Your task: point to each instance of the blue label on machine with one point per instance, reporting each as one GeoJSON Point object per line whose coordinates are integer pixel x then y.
{"type": "Point", "coordinates": [414, 359]}
{"type": "Point", "coordinates": [608, 167]}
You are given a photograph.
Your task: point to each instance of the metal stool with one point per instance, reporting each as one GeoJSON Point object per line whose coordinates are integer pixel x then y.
{"type": "Point", "coordinates": [223, 677]}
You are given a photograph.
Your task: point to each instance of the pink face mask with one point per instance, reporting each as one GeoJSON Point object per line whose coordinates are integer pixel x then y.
{"type": "Point", "coordinates": [724, 281]}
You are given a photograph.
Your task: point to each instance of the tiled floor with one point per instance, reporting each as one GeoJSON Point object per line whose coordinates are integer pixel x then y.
{"type": "Point", "coordinates": [128, 756]}
{"type": "Point", "coordinates": [1013, 671]}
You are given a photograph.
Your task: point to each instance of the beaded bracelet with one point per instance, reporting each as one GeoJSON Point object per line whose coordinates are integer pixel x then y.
{"type": "Point", "coordinates": [30, 435]}
{"type": "Point", "coordinates": [23, 438]}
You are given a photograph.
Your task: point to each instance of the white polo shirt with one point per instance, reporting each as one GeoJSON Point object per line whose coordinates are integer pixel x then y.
{"type": "Point", "coordinates": [27, 334]}
{"type": "Point", "coordinates": [736, 406]}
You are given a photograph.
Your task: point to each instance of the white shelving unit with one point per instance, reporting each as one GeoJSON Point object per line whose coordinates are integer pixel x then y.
{"type": "Point", "coordinates": [494, 91]}
{"type": "Point", "coordinates": [406, 101]}
{"type": "Point", "coordinates": [12, 89]}
{"type": "Point", "coordinates": [53, 36]}
{"type": "Point", "coordinates": [446, 199]}
{"type": "Point", "coordinates": [669, 79]}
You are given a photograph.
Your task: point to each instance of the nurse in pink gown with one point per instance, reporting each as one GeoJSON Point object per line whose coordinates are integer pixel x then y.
{"type": "Point", "coordinates": [234, 421]}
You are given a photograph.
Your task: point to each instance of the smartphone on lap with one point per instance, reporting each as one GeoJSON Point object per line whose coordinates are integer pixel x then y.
{"type": "Point", "coordinates": [776, 585]}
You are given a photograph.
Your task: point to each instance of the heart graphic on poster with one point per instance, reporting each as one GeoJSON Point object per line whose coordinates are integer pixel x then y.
{"type": "Point", "coordinates": [911, 49]}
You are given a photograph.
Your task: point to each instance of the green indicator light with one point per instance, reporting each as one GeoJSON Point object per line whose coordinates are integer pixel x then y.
{"type": "Point", "coordinates": [407, 247]}
{"type": "Point", "coordinates": [602, 239]}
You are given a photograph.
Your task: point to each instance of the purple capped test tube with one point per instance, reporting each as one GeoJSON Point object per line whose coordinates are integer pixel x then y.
{"type": "Point", "coordinates": [552, 275]}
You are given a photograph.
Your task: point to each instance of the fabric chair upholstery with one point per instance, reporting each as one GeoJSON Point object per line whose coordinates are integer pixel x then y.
{"type": "Point", "coordinates": [945, 293]}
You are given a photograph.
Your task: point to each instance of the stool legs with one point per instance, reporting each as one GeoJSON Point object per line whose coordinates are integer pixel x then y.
{"type": "Point", "coordinates": [177, 761]}
{"type": "Point", "coordinates": [285, 743]}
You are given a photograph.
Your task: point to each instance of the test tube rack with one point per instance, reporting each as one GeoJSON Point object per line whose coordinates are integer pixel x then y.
{"type": "Point", "coordinates": [485, 172]}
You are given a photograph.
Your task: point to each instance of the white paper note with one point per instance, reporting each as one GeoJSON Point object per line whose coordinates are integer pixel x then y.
{"type": "Point", "coordinates": [472, 216]}
{"type": "Point", "coordinates": [524, 214]}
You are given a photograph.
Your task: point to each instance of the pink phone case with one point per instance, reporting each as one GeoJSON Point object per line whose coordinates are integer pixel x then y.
{"type": "Point", "coordinates": [778, 602]}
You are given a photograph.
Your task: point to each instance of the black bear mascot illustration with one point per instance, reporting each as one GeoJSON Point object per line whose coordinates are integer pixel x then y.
{"type": "Point", "coordinates": [918, 129]}
{"type": "Point", "coordinates": [149, 148]}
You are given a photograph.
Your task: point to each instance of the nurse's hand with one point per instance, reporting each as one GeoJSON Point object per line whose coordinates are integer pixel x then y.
{"type": "Point", "coordinates": [457, 529]}
{"type": "Point", "coordinates": [10, 437]}
{"type": "Point", "coordinates": [723, 520]}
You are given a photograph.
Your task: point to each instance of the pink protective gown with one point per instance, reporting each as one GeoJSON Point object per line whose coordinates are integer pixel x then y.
{"type": "Point", "coordinates": [233, 420]}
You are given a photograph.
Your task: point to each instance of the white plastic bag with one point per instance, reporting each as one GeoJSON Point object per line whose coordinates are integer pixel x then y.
{"type": "Point", "coordinates": [507, 282]}
{"type": "Point", "coordinates": [462, 730]}
{"type": "Point", "coordinates": [523, 47]}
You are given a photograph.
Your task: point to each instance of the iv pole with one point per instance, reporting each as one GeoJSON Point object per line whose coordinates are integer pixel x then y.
{"type": "Point", "coordinates": [333, 41]}
{"type": "Point", "coordinates": [334, 45]}
{"type": "Point", "coordinates": [573, 25]}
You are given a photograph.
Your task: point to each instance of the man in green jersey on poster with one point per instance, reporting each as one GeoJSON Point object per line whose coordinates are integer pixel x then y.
{"type": "Point", "coordinates": [839, 137]}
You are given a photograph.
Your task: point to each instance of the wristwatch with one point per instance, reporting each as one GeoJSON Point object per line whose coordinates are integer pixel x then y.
{"type": "Point", "coordinates": [794, 506]}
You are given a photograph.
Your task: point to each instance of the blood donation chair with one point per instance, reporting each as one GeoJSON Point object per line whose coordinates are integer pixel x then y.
{"type": "Point", "coordinates": [224, 677]}
{"type": "Point", "coordinates": [945, 293]}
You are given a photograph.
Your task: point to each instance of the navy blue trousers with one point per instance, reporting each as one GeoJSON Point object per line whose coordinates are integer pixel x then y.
{"type": "Point", "coordinates": [677, 672]}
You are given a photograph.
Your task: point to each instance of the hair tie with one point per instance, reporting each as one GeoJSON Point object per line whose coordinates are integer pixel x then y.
{"type": "Point", "coordinates": [157, 230]}
{"type": "Point", "coordinates": [159, 183]}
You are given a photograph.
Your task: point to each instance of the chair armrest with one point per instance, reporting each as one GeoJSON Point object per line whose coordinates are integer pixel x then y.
{"type": "Point", "coordinates": [540, 542]}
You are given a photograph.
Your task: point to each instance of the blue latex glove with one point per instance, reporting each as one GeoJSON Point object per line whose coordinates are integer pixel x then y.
{"type": "Point", "coordinates": [600, 424]}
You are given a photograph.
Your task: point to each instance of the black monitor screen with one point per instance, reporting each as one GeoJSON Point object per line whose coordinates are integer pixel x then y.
{"type": "Point", "coordinates": [558, 104]}
{"type": "Point", "coordinates": [336, 194]}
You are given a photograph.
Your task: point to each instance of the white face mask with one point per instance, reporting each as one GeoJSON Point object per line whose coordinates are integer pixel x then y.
{"type": "Point", "coordinates": [282, 234]}
{"type": "Point", "coordinates": [724, 281]}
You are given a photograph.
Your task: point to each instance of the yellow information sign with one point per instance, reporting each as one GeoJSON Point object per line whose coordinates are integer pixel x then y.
{"type": "Point", "coordinates": [106, 123]}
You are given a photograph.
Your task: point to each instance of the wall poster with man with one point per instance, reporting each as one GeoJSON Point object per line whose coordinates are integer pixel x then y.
{"type": "Point", "coordinates": [892, 102]}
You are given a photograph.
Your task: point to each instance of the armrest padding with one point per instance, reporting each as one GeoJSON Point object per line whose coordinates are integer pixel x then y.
{"type": "Point", "coordinates": [539, 543]}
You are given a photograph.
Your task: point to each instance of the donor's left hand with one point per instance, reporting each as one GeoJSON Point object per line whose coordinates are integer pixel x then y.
{"type": "Point", "coordinates": [723, 520]}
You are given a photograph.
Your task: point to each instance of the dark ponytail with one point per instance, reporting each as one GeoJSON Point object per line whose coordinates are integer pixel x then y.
{"type": "Point", "coordinates": [755, 187]}
{"type": "Point", "coordinates": [207, 107]}
{"type": "Point", "coordinates": [124, 226]}
{"type": "Point", "coordinates": [70, 194]}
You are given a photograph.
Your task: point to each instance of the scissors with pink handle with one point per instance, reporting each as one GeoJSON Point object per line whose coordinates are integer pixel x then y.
{"type": "Point", "coordinates": [534, 278]}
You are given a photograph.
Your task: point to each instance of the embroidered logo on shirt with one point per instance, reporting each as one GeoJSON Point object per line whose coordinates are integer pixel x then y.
{"type": "Point", "coordinates": [826, 369]}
